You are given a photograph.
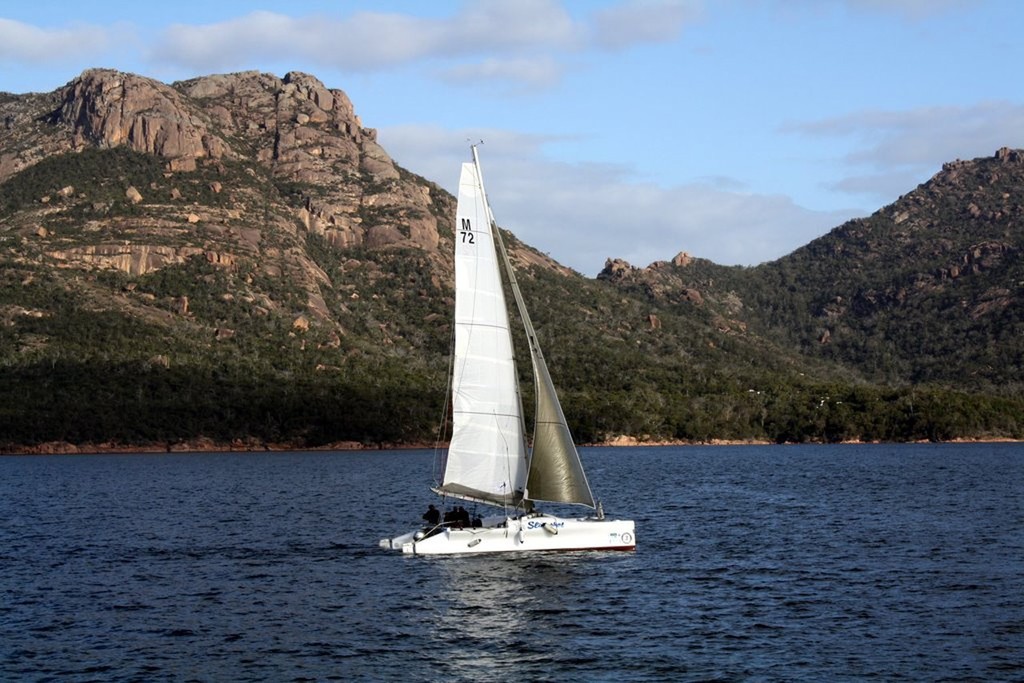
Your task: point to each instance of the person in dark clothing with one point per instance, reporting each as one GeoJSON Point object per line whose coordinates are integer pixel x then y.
{"type": "Point", "coordinates": [432, 515]}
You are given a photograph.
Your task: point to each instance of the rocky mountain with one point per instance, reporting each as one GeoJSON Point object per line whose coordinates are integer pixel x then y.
{"type": "Point", "coordinates": [285, 132]}
{"type": "Point", "coordinates": [234, 259]}
{"type": "Point", "coordinates": [927, 289]}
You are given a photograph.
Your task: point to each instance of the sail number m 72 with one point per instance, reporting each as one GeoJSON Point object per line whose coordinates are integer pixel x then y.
{"type": "Point", "coordinates": [467, 232]}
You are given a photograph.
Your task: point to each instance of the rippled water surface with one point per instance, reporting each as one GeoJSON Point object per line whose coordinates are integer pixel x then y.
{"type": "Point", "coordinates": [754, 563]}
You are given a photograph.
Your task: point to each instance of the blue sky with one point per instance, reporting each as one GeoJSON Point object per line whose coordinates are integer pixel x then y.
{"type": "Point", "coordinates": [734, 130]}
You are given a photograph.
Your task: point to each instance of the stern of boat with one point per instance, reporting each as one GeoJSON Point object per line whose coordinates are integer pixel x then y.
{"type": "Point", "coordinates": [398, 542]}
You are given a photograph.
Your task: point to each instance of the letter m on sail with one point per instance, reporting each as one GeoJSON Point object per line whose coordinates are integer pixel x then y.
{"type": "Point", "coordinates": [466, 224]}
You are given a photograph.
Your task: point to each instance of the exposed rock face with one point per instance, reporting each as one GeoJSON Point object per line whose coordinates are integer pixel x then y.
{"type": "Point", "coordinates": [659, 281]}
{"type": "Point", "coordinates": [314, 136]}
{"type": "Point", "coordinates": [137, 259]}
{"type": "Point", "coordinates": [297, 128]}
{"type": "Point", "coordinates": [682, 259]}
{"type": "Point", "coordinates": [108, 109]}
{"type": "Point", "coordinates": [617, 270]}
{"type": "Point", "coordinates": [292, 133]}
{"type": "Point", "coordinates": [952, 244]}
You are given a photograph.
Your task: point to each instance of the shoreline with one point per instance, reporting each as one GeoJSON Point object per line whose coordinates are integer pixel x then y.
{"type": "Point", "coordinates": [247, 446]}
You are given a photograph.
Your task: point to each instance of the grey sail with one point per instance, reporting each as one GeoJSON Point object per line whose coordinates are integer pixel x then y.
{"type": "Point", "coordinates": [556, 473]}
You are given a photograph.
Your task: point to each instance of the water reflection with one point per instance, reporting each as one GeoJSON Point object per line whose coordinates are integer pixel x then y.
{"type": "Point", "coordinates": [502, 613]}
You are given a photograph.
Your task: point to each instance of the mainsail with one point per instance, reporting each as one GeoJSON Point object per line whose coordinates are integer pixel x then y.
{"type": "Point", "coordinates": [487, 457]}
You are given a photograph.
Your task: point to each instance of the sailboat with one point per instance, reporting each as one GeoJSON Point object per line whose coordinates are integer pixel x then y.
{"type": "Point", "coordinates": [488, 459]}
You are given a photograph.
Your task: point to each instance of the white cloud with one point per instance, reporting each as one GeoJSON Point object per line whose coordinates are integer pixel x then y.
{"type": "Point", "coordinates": [365, 41]}
{"type": "Point", "coordinates": [896, 150]}
{"type": "Point", "coordinates": [500, 25]}
{"type": "Point", "coordinates": [519, 41]}
{"type": "Point", "coordinates": [642, 21]}
{"type": "Point", "coordinates": [885, 186]}
{"type": "Point", "coordinates": [21, 42]}
{"type": "Point", "coordinates": [540, 72]}
{"type": "Point", "coordinates": [582, 214]}
{"type": "Point", "coordinates": [369, 40]}
{"type": "Point", "coordinates": [596, 213]}
{"type": "Point", "coordinates": [935, 134]}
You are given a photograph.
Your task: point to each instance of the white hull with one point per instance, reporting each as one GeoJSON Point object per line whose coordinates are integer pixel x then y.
{"type": "Point", "coordinates": [532, 533]}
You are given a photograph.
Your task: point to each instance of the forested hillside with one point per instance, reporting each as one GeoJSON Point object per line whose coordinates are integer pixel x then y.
{"type": "Point", "coordinates": [234, 261]}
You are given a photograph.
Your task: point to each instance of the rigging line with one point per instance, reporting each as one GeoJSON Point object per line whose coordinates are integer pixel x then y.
{"type": "Point", "coordinates": [508, 468]}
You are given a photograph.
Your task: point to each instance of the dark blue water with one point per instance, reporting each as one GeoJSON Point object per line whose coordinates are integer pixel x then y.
{"type": "Point", "coordinates": [754, 563]}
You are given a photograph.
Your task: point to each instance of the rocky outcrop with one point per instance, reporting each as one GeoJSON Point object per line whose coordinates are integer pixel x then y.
{"type": "Point", "coordinates": [107, 108]}
{"type": "Point", "coordinates": [617, 270]}
{"type": "Point", "coordinates": [296, 128]}
{"type": "Point", "coordinates": [682, 259]}
{"type": "Point", "coordinates": [135, 259]}
{"type": "Point", "coordinates": [659, 281]}
{"type": "Point", "coordinates": [310, 134]}
{"type": "Point", "coordinates": [310, 169]}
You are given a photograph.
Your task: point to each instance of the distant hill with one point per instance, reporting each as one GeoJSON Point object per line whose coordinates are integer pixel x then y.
{"type": "Point", "coordinates": [233, 261]}
{"type": "Point", "coordinates": [927, 289]}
